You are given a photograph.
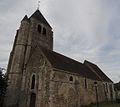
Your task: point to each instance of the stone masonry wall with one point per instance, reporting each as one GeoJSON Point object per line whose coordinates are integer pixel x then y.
{"type": "Point", "coordinates": [39, 67]}
{"type": "Point", "coordinates": [54, 88]}
{"type": "Point", "coordinates": [66, 93]}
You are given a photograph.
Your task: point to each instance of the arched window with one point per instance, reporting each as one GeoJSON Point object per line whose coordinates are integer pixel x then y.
{"type": "Point", "coordinates": [39, 28]}
{"type": "Point", "coordinates": [44, 31]}
{"type": "Point", "coordinates": [33, 82]}
{"type": "Point", "coordinates": [71, 78]}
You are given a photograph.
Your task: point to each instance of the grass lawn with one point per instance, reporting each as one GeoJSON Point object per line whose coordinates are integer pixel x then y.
{"type": "Point", "coordinates": [107, 104]}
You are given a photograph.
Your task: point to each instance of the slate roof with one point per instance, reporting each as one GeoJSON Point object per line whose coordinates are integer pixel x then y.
{"type": "Point", "coordinates": [67, 64]}
{"type": "Point", "coordinates": [117, 86]}
{"type": "Point", "coordinates": [98, 71]}
{"type": "Point", "coordinates": [62, 62]}
{"type": "Point", "coordinates": [38, 15]}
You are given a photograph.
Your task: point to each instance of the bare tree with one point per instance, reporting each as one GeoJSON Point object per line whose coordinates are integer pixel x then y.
{"type": "Point", "coordinates": [3, 85]}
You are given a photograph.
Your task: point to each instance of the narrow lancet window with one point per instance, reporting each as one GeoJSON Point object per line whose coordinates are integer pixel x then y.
{"type": "Point", "coordinates": [33, 82]}
{"type": "Point", "coordinates": [106, 87]}
{"type": "Point", "coordinates": [39, 28]}
{"type": "Point", "coordinates": [85, 83]}
{"type": "Point", "coordinates": [44, 31]}
{"type": "Point", "coordinates": [71, 78]}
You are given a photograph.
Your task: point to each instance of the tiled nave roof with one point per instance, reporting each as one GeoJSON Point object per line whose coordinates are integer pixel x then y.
{"type": "Point", "coordinates": [62, 62]}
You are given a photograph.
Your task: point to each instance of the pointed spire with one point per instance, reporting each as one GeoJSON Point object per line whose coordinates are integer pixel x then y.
{"type": "Point", "coordinates": [38, 15]}
{"type": "Point", "coordinates": [25, 18]}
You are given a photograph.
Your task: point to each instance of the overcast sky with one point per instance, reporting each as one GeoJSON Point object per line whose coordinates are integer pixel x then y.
{"type": "Point", "coordinates": [83, 29]}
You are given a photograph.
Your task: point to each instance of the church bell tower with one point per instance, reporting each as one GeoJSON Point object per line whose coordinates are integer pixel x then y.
{"type": "Point", "coordinates": [40, 31]}
{"type": "Point", "coordinates": [34, 32]}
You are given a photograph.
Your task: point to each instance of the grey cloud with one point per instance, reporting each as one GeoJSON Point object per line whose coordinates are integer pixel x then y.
{"type": "Point", "coordinates": [83, 29]}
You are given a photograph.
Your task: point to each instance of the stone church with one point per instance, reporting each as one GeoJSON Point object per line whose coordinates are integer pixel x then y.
{"type": "Point", "coordinates": [41, 77]}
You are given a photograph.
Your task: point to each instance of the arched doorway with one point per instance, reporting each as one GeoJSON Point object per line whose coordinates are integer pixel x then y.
{"type": "Point", "coordinates": [32, 100]}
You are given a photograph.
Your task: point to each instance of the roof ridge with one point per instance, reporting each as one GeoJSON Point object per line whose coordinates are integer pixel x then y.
{"type": "Point", "coordinates": [64, 56]}
{"type": "Point", "coordinates": [97, 72]}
